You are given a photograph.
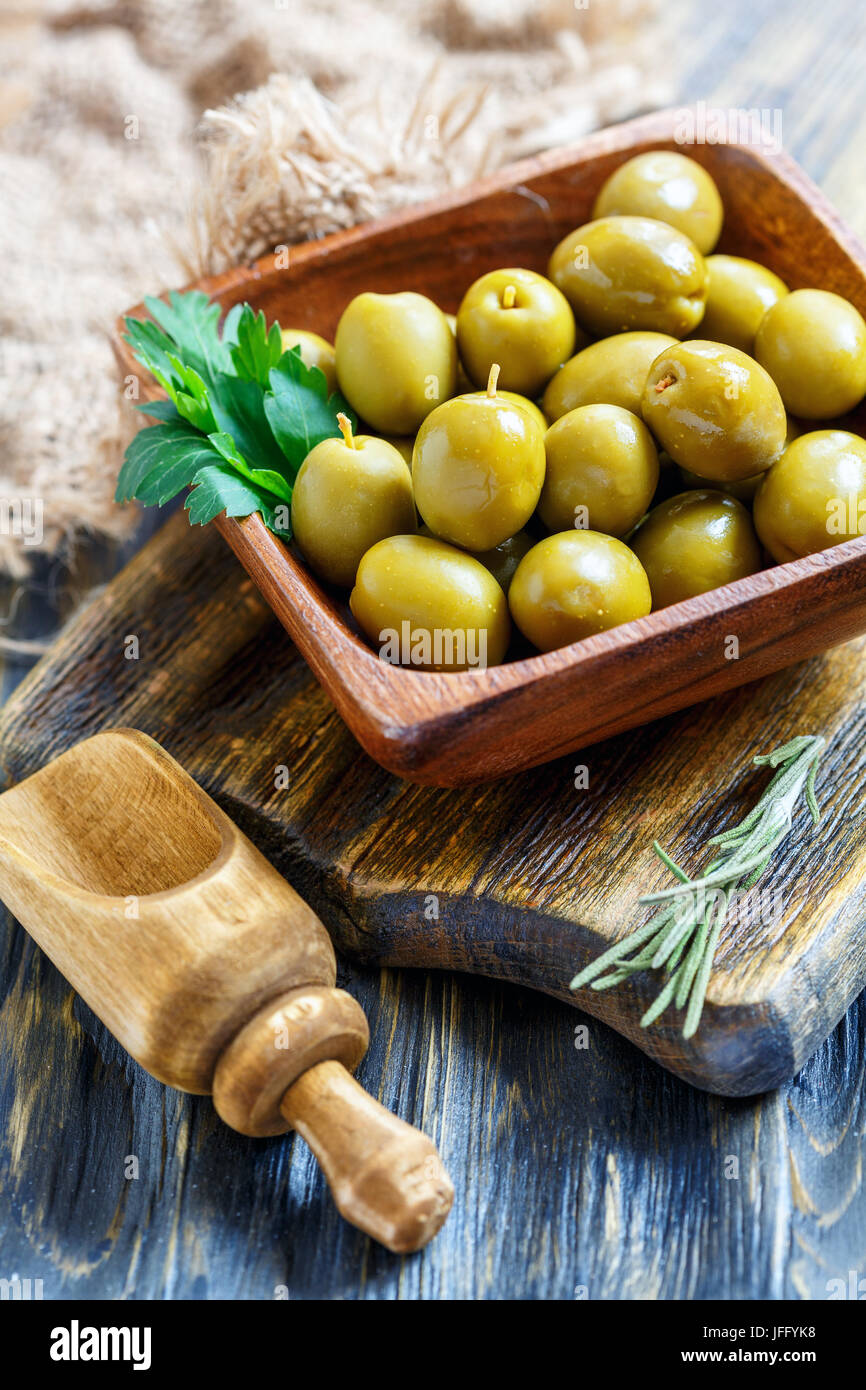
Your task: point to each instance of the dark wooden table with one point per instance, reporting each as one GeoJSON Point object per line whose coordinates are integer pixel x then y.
{"type": "Point", "coordinates": [580, 1172]}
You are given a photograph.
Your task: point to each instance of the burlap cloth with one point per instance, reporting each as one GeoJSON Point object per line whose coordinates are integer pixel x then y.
{"type": "Point", "coordinates": [126, 167]}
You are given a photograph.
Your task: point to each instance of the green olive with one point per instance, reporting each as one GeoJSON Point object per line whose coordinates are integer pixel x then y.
{"type": "Point", "coordinates": [502, 560]}
{"type": "Point", "coordinates": [739, 293]}
{"type": "Point", "coordinates": [349, 493]}
{"type": "Point", "coordinates": [575, 584]}
{"type": "Point", "coordinates": [745, 489]}
{"type": "Point", "coordinates": [815, 496]}
{"type": "Point", "coordinates": [715, 411]}
{"type": "Point", "coordinates": [478, 467]}
{"type": "Point", "coordinates": [612, 371]}
{"type": "Point", "coordinates": [315, 352]}
{"type": "Point", "coordinates": [525, 404]}
{"type": "Point", "coordinates": [624, 273]}
{"type": "Point", "coordinates": [813, 344]}
{"type": "Point", "coordinates": [669, 187]}
{"type": "Point", "coordinates": [602, 471]}
{"type": "Point", "coordinates": [396, 359]}
{"type": "Point", "coordinates": [520, 321]}
{"type": "Point", "coordinates": [424, 603]}
{"type": "Point", "coordinates": [695, 542]}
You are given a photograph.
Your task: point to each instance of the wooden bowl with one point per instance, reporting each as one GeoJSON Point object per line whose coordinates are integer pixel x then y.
{"type": "Point", "coordinates": [449, 729]}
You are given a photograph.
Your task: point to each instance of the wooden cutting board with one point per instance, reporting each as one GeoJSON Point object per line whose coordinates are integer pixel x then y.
{"type": "Point", "coordinates": [523, 880]}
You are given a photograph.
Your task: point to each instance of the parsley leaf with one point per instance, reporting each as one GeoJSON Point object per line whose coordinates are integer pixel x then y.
{"type": "Point", "coordinates": [218, 488]}
{"type": "Point", "coordinates": [191, 322]}
{"type": "Point", "coordinates": [176, 470]}
{"type": "Point", "coordinates": [241, 417]}
{"type": "Point", "coordinates": [161, 461]}
{"type": "Point", "coordinates": [154, 350]}
{"type": "Point", "coordinates": [192, 403]}
{"type": "Point", "coordinates": [300, 412]}
{"type": "Point", "coordinates": [239, 410]}
{"type": "Point", "coordinates": [159, 410]}
{"type": "Point", "coordinates": [256, 349]}
{"type": "Point", "coordinates": [230, 324]}
{"type": "Point", "coordinates": [262, 477]}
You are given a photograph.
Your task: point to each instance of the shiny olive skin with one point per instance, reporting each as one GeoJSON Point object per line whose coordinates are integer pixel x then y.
{"type": "Point", "coordinates": [612, 371]}
{"type": "Point", "coordinates": [745, 490]}
{"type": "Point", "coordinates": [813, 344]}
{"type": "Point", "coordinates": [695, 542]}
{"type": "Point", "coordinates": [739, 293]}
{"type": "Point", "coordinates": [815, 496]}
{"type": "Point", "coordinates": [519, 320]}
{"type": "Point", "coordinates": [575, 584]}
{"type": "Point", "coordinates": [345, 499]}
{"type": "Point", "coordinates": [669, 187]}
{"type": "Point", "coordinates": [602, 471]}
{"type": "Point", "coordinates": [315, 352]}
{"type": "Point", "coordinates": [396, 359]}
{"type": "Point", "coordinates": [503, 559]}
{"type": "Point", "coordinates": [622, 273]}
{"type": "Point", "coordinates": [715, 411]}
{"type": "Point", "coordinates": [436, 589]}
{"type": "Point", "coordinates": [525, 404]}
{"type": "Point", "coordinates": [478, 467]}
{"type": "Point", "coordinates": [406, 445]}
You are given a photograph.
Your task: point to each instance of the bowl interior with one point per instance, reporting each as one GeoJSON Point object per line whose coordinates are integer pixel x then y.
{"type": "Point", "coordinates": [773, 215]}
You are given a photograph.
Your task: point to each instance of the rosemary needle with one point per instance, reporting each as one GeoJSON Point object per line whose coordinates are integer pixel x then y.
{"type": "Point", "coordinates": [681, 938]}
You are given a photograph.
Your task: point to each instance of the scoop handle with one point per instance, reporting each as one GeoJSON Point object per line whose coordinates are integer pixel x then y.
{"type": "Point", "coordinates": [385, 1176]}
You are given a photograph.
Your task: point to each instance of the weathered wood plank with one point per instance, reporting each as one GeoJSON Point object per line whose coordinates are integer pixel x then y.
{"type": "Point", "coordinates": [523, 880]}
{"type": "Point", "coordinates": [590, 1167]}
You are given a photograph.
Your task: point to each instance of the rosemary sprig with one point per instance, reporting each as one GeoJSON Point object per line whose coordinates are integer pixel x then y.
{"type": "Point", "coordinates": [681, 938]}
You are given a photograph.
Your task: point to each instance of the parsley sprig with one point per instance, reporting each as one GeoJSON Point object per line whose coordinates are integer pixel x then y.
{"type": "Point", "coordinates": [240, 417]}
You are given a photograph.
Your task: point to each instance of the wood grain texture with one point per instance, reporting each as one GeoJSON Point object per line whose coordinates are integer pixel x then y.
{"type": "Point", "coordinates": [167, 921]}
{"type": "Point", "coordinates": [584, 1169]}
{"type": "Point", "coordinates": [452, 729]}
{"type": "Point", "coordinates": [182, 938]}
{"type": "Point", "coordinates": [525, 880]}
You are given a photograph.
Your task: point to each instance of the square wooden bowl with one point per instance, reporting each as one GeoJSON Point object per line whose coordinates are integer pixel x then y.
{"type": "Point", "coordinates": [449, 729]}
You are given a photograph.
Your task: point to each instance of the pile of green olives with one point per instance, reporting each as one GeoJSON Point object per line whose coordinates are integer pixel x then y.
{"type": "Point", "coordinates": [648, 421]}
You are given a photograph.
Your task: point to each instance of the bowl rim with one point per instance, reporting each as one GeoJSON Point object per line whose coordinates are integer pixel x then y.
{"type": "Point", "coordinates": [405, 705]}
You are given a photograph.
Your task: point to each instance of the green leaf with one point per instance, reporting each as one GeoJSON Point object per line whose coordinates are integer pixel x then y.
{"type": "Point", "coordinates": [217, 488]}
{"type": "Point", "coordinates": [147, 449]}
{"type": "Point", "coordinates": [161, 461]}
{"type": "Point", "coordinates": [300, 412]}
{"type": "Point", "coordinates": [241, 418]}
{"type": "Point", "coordinates": [256, 349]}
{"type": "Point", "coordinates": [238, 408]}
{"type": "Point", "coordinates": [263, 477]}
{"type": "Point", "coordinates": [153, 350]}
{"type": "Point", "coordinates": [230, 324]}
{"type": "Point", "coordinates": [159, 410]}
{"type": "Point", "coordinates": [191, 321]}
{"type": "Point", "coordinates": [192, 402]}
{"type": "Point", "coordinates": [176, 472]}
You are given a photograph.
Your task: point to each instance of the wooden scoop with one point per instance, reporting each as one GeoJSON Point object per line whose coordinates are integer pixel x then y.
{"type": "Point", "coordinates": [209, 968]}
